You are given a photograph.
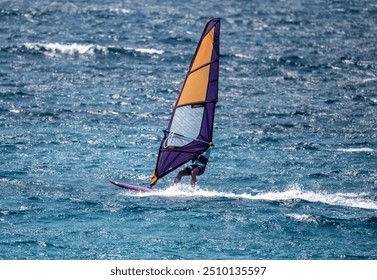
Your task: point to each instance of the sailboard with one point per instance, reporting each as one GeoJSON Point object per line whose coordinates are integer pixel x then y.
{"type": "Point", "coordinates": [190, 129]}
{"type": "Point", "coordinates": [132, 187]}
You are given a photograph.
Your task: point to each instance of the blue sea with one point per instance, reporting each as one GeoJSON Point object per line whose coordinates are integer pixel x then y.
{"type": "Point", "coordinates": [86, 88]}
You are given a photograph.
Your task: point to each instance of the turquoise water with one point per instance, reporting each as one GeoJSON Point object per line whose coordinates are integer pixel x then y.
{"type": "Point", "coordinates": [86, 88]}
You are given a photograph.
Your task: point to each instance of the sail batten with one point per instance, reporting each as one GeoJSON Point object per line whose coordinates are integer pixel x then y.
{"type": "Point", "coordinates": [200, 67]}
{"type": "Point", "coordinates": [190, 128]}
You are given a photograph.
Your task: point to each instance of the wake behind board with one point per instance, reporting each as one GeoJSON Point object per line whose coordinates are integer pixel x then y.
{"type": "Point", "coordinates": [132, 187]}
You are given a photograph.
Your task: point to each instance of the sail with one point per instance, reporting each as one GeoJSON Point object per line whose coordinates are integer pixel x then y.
{"type": "Point", "coordinates": [190, 128]}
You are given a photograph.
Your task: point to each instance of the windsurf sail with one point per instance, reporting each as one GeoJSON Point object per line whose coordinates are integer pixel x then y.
{"type": "Point", "coordinates": [190, 128]}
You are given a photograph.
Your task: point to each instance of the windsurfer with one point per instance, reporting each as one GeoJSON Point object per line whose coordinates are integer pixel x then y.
{"type": "Point", "coordinates": [196, 168]}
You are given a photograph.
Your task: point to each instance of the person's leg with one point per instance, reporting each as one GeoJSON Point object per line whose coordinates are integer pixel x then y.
{"type": "Point", "coordinates": [194, 173]}
{"type": "Point", "coordinates": [183, 172]}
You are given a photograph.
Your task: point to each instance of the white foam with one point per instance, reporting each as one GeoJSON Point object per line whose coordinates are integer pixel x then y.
{"type": "Point", "coordinates": [146, 51]}
{"type": "Point", "coordinates": [303, 218]}
{"type": "Point", "coordinates": [120, 10]}
{"type": "Point", "coordinates": [356, 150]}
{"type": "Point", "coordinates": [240, 55]}
{"type": "Point", "coordinates": [337, 199]}
{"type": "Point", "coordinates": [55, 49]}
{"type": "Point", "coordinates": [292, 193]}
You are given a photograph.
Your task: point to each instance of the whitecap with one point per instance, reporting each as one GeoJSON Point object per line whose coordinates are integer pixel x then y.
{"type": "Point", "coordinates": [120, 10]}
{"type": "Point", "coordinates": [303, 218]}
{"type": "Point", "coordinates": [355, 150]}
{"type": "Point", "coordinates": [53, 49]}
{"type": "Point", "coordinates": [145, 51]}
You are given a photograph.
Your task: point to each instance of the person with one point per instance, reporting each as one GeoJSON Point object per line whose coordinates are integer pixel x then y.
{"type": "Point", "coordinates": [196, 168]}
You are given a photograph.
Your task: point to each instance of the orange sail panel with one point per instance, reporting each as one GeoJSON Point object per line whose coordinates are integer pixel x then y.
{"type": "Point", "coordinates": [204, 54]}
{"type": "Point", "coordinates": [195, 89]}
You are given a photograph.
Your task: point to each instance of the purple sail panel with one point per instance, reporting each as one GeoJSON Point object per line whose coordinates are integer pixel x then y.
{"type": "Point", "coordinates": [207, 124]}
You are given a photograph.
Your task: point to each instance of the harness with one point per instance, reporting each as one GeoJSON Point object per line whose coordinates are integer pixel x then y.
{"type": "Point", "coordinates": [201, 159]}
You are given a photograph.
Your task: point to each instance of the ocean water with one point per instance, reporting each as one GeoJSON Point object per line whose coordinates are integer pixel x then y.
{"type": "Point", "coordinates": [86, 88]}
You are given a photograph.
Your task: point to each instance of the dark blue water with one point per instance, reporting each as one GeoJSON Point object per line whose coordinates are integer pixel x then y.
{"type": "Point", "coordinates": [86, 88]}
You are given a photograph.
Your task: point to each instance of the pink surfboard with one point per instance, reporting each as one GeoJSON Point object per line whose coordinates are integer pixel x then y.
{"type": "Point", "coordinates": [132, 187]}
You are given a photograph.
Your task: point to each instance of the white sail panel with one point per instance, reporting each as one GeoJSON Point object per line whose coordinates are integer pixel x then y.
{"type": "Point", "coordinates": [185, 125]}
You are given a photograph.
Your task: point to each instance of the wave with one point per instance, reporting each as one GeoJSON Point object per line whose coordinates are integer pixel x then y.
{"type": "Point", "coordinates": [53, 49]}
{"type": "Point", "coordinates": [304, 218]}
{"type": "Point", "coordinates": [355, 150]}
{"type": "Point", "coordinates": [58, 49]}
{"type": "Point", "coordinates": [353, 200]}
